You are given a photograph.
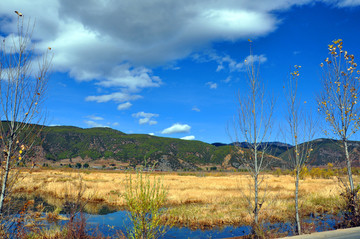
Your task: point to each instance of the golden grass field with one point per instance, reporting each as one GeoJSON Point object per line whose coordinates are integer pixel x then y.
{"type": "Point", "coordinates": [194, 199]}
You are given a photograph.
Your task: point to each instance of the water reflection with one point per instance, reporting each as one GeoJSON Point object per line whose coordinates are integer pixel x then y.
{"type": "Point", "coordinates": [119, 221]}
{"type": "Point", "coordinates": [108, 224]}
{"type": "Point", "coordinates": [109, 220]}
{"type": "Point", "coordinates": [51, 203]}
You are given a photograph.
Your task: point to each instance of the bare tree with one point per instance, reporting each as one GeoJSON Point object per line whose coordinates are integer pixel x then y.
{"type": "Point", "coordinates": [22, 91]}
{"type": "Point", "coordinates": [301, 132]}
{"type": "Point", "coordinates": [252, 125]}
{"type": "Point", "coordinates": [338, 99]}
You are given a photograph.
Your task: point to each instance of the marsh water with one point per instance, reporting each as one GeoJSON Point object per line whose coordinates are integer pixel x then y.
{"type": "Point", "coordinates": [120, 221]}
{"type": "Point", "coordinates": [109, 220]}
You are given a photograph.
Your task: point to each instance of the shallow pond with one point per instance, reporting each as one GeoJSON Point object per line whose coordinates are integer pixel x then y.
{"type": "Point", "coordinates": [109, 223]}
{"type": "Point", "coordinates": [108, 220]}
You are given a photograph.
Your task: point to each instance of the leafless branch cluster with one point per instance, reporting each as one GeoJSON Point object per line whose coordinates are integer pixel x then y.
{"type": "Point", "coordinates": [24, 74]}
{"type": "Point", "coordinates": [253, 124]}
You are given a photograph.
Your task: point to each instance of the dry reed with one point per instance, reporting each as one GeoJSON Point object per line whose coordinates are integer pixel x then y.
{"type": "Point", "coordinates": [202, 200]}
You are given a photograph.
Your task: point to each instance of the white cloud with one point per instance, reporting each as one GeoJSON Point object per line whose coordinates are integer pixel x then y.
{"type": "Point", "coordinates": [219, 68]}
{"type": "Point", "coordinates": [117, 97]}
{"type": "Point", "coordinates": [131, 78]}
{"type": "Point", "coordinates": [255, 58]}
{"type": "Point", "coordinates": [212, 85]}
{"type": "Point", "coordinates": [90, 44]}
{"type": "Point", "coordinates": [145, 115]}
{"type": "Point", "coordinates": [124, 106]}
{"type": "Point", "coordinates": [227, 63]}
{"type": "Point", "coordinates": [195, 109]}
{"type": "Point", "coordinates": [94, 117]}
{"type": "Point", "coordinates": [152, 134]}
{"type": "Point", "coordinates": [227, 80]}
{"type": "Point", "coordinates": [115, 124]}
{"type": "Point", "coordinates": [344, 3]}
{"type": "Point", "coordinates": [145, 118]}
{"type": "Point", "coordinates": [91, 123]}
{"type": "Point", "coordinates": [177, 128]}
{"type": "Point", "coordinates": [152, 122]}
{"type": "Point", "coordinates": [11, 44]}
{"type": "Point", "coordinates": [190, 137]}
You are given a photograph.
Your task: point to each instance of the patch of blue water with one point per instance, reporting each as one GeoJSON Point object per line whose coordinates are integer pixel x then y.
{"type": "Point", "coordinates": [111, 224]}
{"type": "Point", "coordinates": [119, 221]}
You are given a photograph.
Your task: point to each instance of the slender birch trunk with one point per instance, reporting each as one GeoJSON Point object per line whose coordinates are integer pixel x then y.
{"type": "Point", "coordinates": [297, 216]}
{"type": "Point", "coordinates": [348, 164]}
{"type": "Point", "coordinates": [253, 124]}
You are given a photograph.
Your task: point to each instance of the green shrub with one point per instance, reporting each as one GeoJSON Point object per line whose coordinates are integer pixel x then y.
{"type": "Point", "coordinates": [78, 165]}
{"type": "Point", "coordinates": [145, 198]}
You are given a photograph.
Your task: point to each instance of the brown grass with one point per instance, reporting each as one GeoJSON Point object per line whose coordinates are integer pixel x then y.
{"type": "Point", "coordinates": [195, 200]}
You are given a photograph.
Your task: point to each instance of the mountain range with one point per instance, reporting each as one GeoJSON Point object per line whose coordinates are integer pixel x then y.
{"type": "Point", "coordinates": [106, 147]}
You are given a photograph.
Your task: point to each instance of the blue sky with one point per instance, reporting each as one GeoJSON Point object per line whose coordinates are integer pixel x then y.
{"type": "Point", "coordinates": [173, 68]}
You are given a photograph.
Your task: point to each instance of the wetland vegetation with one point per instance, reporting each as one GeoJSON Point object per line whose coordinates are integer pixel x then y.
{"type": "Point", "coordinates": [198, 199]}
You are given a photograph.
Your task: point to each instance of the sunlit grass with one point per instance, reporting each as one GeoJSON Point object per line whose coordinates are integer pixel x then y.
{"type": "Point", "coordinates": [206, 200]}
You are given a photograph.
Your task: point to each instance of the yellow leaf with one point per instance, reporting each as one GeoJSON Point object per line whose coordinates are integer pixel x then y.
{"type": "Point", "coordinates": [19, 13]}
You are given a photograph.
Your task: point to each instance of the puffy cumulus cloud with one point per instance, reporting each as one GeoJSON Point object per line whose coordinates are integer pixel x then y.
{"type": "Point", "coordinates": [190, 137]}
{"type": "Point", "coordinates": [124, 106]}
{"type": "Point", "coordinates": [93, 37]}
{"type": "Point", "coordinates": [177, 128]}
{"type": "Point", "coordinates": [132, 78]}
{"type": "Point", "coordinates": [152, 134]}
{"type": "Point", "coordinates": [91, 123]}
{"type": "Point", "coordinates": [212, 85]}
{"type": "Point", "coordinates": [116, 43]}
{"type": "Point", "coordinates": [145, 118]}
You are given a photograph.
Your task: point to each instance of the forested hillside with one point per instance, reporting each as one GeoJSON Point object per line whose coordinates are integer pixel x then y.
{"type": "Point", "coordinates": [68, 142]}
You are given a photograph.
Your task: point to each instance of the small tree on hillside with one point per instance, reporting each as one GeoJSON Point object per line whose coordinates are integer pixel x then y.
{"type": "Point", "coordinates": [252, 125]}
{"type": "Point", "coordinates": [338, 101]}
{"type": "Point", "coordinates": [301, 132]}
{"type": "Point", "coordinates": [22, 91]}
